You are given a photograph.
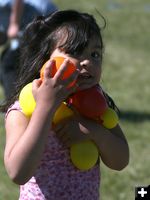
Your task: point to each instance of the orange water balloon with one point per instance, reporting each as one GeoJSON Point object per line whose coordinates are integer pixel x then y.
{"type": "Point", "coordinates": [58, 62]}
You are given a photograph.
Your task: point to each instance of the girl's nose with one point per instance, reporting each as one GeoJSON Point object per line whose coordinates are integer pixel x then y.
{"type": "Point", "coordinates": [84, 63]}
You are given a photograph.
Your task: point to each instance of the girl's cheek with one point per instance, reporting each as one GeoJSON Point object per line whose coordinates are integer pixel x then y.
{"type": "Point", "coordinates": [98, 74]}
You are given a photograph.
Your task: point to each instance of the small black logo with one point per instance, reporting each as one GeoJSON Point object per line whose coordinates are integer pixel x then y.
{"type": "Point", "coordinates": [142, 193]}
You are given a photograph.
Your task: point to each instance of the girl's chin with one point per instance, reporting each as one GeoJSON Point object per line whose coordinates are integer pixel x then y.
{"type": "Point", "coordinates": [84, 86]}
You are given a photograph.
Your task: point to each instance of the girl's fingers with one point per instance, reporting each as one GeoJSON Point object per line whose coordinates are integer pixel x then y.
{"type": "Point", "coordinates": [58, 77]}
{"type": "Point", "coordinates": [62, 135]}
{"type": "Point", "coordinates": [62, 69]}
{"type": "Point", "coordinates": [60, 72]}
{"type": "Point", "coordinates": [48, 69]}
{"type": "Point", "coordinates": [36, 84]}
{"type": "Point", "coordinates": [58, 127]}
{"type": "Point", "coordinates": [73, 89]}
{"type": "Point", "coordinates": [72, 79]}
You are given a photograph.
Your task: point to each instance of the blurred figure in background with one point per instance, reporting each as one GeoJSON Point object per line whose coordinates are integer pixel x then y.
{"type": "Point", "coordinates": [35, 7]}
{"type": "Point", "coordinates": [14, 16]}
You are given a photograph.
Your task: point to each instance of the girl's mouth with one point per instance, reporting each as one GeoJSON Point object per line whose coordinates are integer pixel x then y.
{"type": "Point", "coordinates": [84, 76]}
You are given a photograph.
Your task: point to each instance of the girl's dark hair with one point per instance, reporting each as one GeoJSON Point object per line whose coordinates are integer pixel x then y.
{"type": "Point", "coordinates": [43, 35]}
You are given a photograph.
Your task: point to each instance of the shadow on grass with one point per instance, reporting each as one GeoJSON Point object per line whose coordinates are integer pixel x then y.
{"type": "Point", "coordinates": [134, 116]}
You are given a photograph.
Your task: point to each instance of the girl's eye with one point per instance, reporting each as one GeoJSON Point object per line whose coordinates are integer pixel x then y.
{"type": "Point", "coordinates": [95, 54]}
{"type": "Point", "coordinates": [73, 54]}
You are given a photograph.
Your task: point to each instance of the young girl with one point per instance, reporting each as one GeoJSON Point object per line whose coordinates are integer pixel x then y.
{"type": "Point", "coordinates": [36, 153]}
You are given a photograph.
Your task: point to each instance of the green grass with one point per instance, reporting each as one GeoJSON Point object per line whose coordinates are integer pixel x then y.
{"type": "Point", "coordinates": [126, 77]}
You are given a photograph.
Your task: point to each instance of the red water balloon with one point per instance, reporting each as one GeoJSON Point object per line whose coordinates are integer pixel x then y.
{"type": "Point", "coordinates": [90, 102]}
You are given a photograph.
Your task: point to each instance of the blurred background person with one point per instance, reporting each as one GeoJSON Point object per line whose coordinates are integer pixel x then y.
{"type": "Point", "coordinates": [14, 16]}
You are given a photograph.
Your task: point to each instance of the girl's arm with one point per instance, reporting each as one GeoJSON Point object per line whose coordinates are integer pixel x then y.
{"type": "Point", "coordinates": [112, 144]}
{"type": "Point", "coordinates": [25, 142]}
{"type": "Point", "coordinates": [26, 139]}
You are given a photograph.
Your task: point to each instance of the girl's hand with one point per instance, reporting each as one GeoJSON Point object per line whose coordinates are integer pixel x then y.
{"type": "Point", "coordinates": [53, 90]}
{"type": "Point", "coordinates": [75, 129]}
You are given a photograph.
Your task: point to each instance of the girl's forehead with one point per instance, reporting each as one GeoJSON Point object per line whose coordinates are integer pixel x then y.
{"type": "Point", "coordinates": [72, 40]}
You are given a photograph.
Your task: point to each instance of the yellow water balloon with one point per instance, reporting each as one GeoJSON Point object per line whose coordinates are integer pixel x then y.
{"type": "Point", "coordinates": [110, 118]}
{"type": "Point", "coordinates": [84, 155]}
{"type": "Point", "coordinates": [63, 112]}
{"type": "Point", "coordinates": [27, 104]}
{"type": "Point", "coordinates": [26, 100]}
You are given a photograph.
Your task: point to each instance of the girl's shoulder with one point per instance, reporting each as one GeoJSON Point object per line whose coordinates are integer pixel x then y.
{"type": "Point", "coordinates": [14, 106]}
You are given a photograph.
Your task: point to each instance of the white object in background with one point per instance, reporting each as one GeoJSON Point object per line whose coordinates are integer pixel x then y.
{"type": "Point", "coordinates": [14, 44]}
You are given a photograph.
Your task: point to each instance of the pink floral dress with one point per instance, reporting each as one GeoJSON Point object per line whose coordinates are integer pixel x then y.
{"type": "Point", "coordinates": [56, 178]}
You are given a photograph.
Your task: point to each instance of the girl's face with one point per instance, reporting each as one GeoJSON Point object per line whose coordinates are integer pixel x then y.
{"type": "Point", "coordinates": [89, 63]}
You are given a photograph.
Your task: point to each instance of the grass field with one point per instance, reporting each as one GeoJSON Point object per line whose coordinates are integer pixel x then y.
{"type": "Point", "coordinates": [126, 77]}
